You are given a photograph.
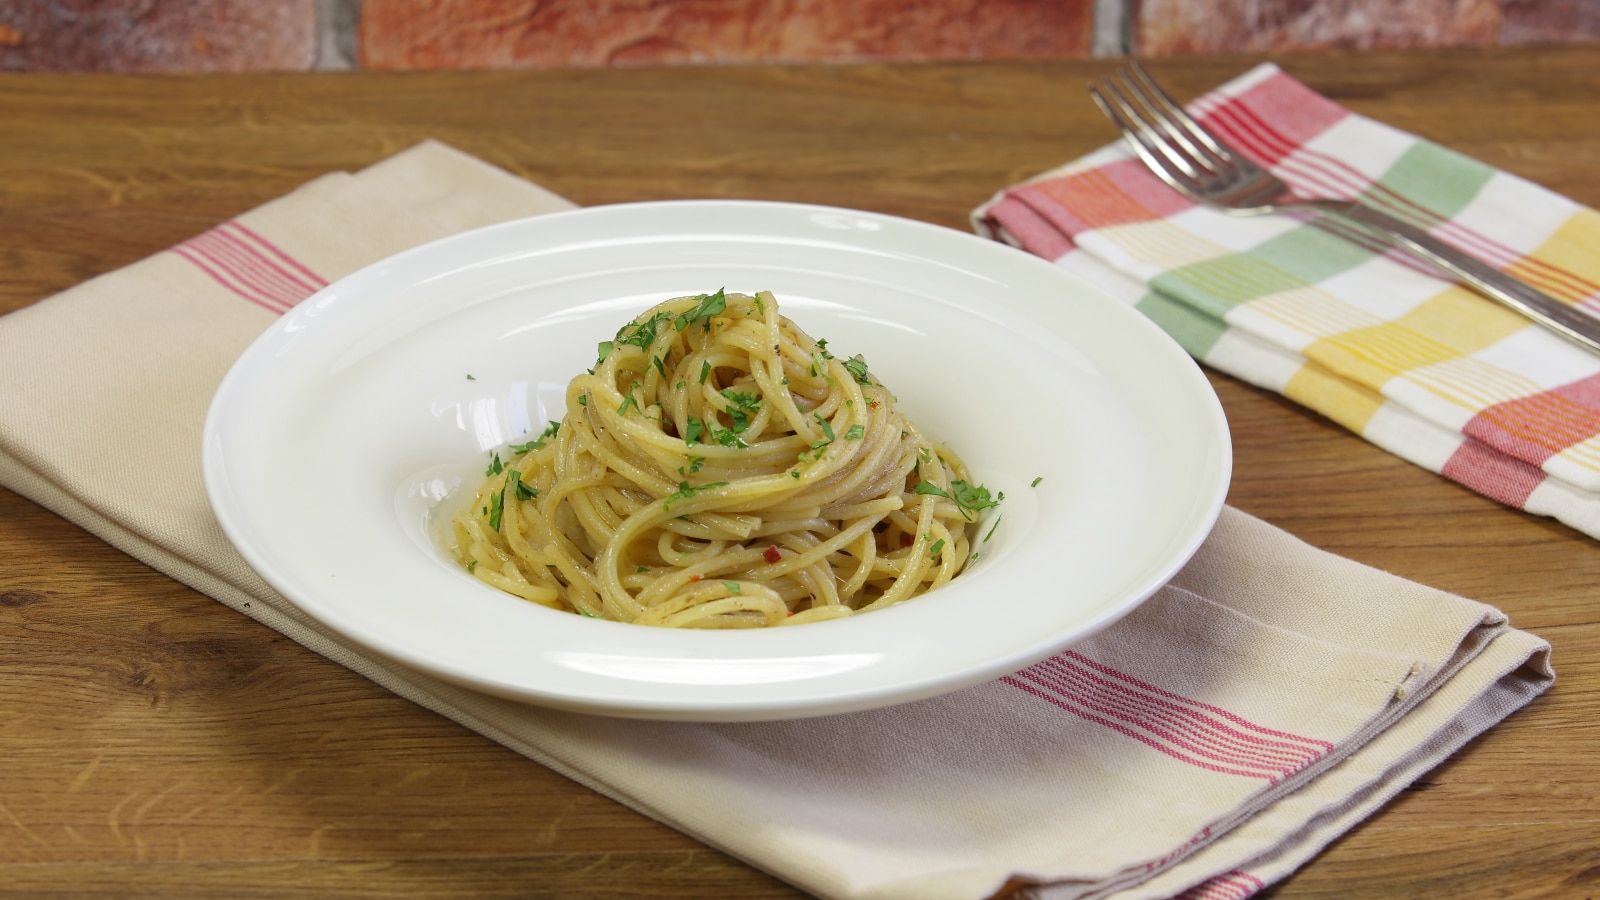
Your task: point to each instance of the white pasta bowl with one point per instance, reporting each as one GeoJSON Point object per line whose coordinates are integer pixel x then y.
{"type": "Point", "coordinates": [340, 436]}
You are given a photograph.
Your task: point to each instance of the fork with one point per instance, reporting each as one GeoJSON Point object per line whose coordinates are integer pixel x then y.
{"type": "Point", "coordinates": [1198, 164]}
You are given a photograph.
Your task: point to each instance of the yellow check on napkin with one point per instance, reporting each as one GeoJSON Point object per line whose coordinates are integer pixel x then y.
{"type": "Point", "coordinates": [1212, 741]}
{"type": "Point", "coordinates": [1332, 319]}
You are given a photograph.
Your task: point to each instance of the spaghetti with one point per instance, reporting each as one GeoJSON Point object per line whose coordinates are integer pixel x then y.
{"type": "Point", "coordinates": [719, 468]}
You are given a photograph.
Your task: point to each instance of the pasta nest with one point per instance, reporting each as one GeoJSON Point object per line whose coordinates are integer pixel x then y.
{"type": "Point", "coordinates": [719, 468]}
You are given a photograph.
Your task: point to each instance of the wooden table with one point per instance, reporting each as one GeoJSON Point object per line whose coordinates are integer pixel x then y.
{"type": "Point", "coordinates": [152, 741]}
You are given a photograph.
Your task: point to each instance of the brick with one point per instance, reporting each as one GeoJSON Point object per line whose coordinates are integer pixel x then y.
{"type": "Point", "coordinates": [435, 34]}
{"type": "Point", "coordinates": [157, 35]}
{"type": "Point", "coordinates": [1549, 21]}
{"type": "Point", "coordinates": [1166, 27]}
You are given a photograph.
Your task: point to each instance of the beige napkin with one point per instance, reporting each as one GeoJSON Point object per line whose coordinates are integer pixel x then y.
{"type": "Point", "coordinates": [1217, 738]}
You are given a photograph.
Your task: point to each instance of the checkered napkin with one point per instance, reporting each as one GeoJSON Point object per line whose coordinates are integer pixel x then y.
{"type": "Point", "coordinates": [1326, 316]}
{"type": "Point", "coordinates": [1206, 745]}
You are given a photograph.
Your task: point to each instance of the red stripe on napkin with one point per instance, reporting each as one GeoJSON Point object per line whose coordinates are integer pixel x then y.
{"type": "Point", "coordinates": [1029, 229]}
{"type": "Point", "coordinates": [1118, 193]}
{"type": "Point", "coordinates": [1193, 732]}
{"type": "Point", "coordinates": [1297, 112]}
{"type": "Point", "coordinates": [1535, 428]}
{"type": "Point", "coordinates": [1491, 473]}
{"type": "Point", "coordinates": [1233, 885]}
{"type": "Point", "coordinates": [250, 266]}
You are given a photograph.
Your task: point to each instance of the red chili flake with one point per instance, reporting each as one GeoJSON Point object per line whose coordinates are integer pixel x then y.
{"type": "Point", "coordinates": [771, 554]}
{"type": "Point", "coordinates": [694, 578]}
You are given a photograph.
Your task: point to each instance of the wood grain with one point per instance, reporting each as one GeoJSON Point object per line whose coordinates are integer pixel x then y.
{"type": "Point", "coordinates": [155, 743]}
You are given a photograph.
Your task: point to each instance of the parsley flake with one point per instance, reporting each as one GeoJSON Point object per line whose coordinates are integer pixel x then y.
{"type": "Point", "coordinates": [857, 367]}
{"type": "Point", "coordinates": [642, 334]}
{"type": "Point", "coordinates": [497, 508]}
{"type": "Point", "coordinates": [727, 437]}
{"type": "Point", "coordinates": [685, 491]}
{"type": "Point", "coordinates": [519, 488]}
{"type": "Point", "coordinates": [709, 305]}
{"type": "Point", "coordinates": [827, 427]}
{"type": "Point", "coordinates": [967, 497]}
{"type": "Point", "coordinates": [741, 405]}
{"type": "Point", "coordinates": [538, 443]}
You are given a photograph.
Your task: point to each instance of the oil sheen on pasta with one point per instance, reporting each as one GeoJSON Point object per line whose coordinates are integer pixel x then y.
{"type": "Point", "coordinates": [719, 468]}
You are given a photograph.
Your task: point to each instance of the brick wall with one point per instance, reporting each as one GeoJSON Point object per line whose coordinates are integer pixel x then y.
{"type": "Point", "coordinates": [299, 35]}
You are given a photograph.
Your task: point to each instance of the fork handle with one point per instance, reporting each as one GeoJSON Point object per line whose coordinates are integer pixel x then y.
{"type": "Point", "coordinates": [1578, 327]}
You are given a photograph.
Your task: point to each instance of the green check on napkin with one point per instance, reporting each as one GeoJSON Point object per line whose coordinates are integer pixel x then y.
{"type": "Point", "coordinates": [1210, 742]}
{"type": "Point", "coordinates": [1326, 316]}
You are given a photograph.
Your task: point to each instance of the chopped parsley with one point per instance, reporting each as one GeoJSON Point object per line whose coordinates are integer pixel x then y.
{"type": "Point", "coordinates": [968, 498]}
{"type": "Point", "coordinates": [1036, 481]}
{"type": "Point", "coordinates": [705, 370]}
{"type": "Point", "coordinates": [538, 442]}
{"type": "Point", "coordinates": [727, 437]}
{"type": "Point", "coordinates": [497, 508]}
{"type": "Point", "coordinates": [732, 586]}
{"type": "Point", "coordinates": [857, 367]}
{"type": "Point", "coordinates": [815, 452]}
{"type": "Point", "coordinates": [604, 349]}
{"type": "Point", "coordinates": [827, 429]}
{"type": "Point", "coordinates": [974, 496]}
{"type": "Point", "coordinates": [855, 432]}
{"type": "Point", "coordinates": [691, 433]}
{"type": "Point", "coordinates": [495, 466]}
{"type": "Point", "coordinates": [685, 491]}
{"type": "Point", "coordinates": [642, 334]}
{"type": "Point", "coordinates": [938, 546]}
{"type": "Point", "coordinates": [519, 488]}
{"type": "Point", "coordinates": [741, 406]}
{"type": "Point", "coordinates": [709, 305]}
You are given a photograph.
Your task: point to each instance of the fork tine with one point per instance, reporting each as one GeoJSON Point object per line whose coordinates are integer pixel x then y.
{"type": "Point", "coordinates": [1179, 124]}
{"type": "Point", "coordinates": [1159, 155]}
{"type": "Point", "coordinates": [1138, 140]}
